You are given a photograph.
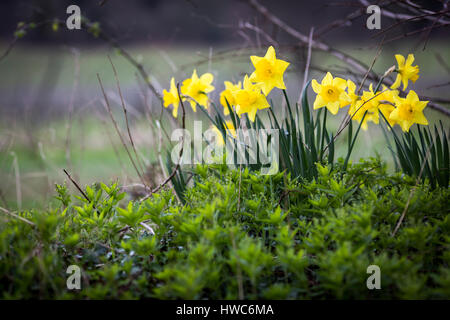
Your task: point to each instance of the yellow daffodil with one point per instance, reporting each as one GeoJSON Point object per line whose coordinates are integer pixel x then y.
{"type": "Point", "coordinates": [228, 95]}
{"type": "Point", "coordinates": [269, 71]}
{"type": "Point", "coordinates": [229, 127]}
{"type": "Point", "coordinates": [197, 89]}
{"type": "Point", "coordinates": [250, 99]}
{"type": "Point", "coordinates": [171, 98]}
{"type": "Point", "coordinates": [330, 93]}
{"type": "Point", "coordinates": [408, 111]}
{"type": "Point", "coordinates": [351, 91]}
{"type": "Point", "coordinates": [374, 103]}
{"type": "Point", "coordinates": [406, 71]}
{"type": "Point", "coordinates": [368, 102]}
{"type": "Point", "coordinates": [386, 104]}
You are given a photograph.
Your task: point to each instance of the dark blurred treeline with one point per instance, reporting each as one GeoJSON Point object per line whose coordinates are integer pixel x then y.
{"type": "Point", "coordinates": [184, 21]}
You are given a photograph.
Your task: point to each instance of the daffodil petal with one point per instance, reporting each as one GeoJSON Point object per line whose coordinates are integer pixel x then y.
{"type": "Point", "coordinates": [319, 103]}
{"type": "Point", "coordinates": [351, 86]}
{"type": "Point", "coordinates": [207, 77]}
{"type": "Point", "coordinates": [270, 54]}
{"type": "Point", "coordinates": [316, 86]}
{"type": "Point", "coordinates": [255, 60]}
{"type": "Point", "coordinates": [410, 59]}
{"type": "Point", "coordinates": [412, 97]}
{"type": "Point", "coordinates": [333, 107]}
{"type": "Point", "coordinates": [400, 60]}
{"type": "Point", "coordinates": [420, 118]}
{"type": "Point", "coordinates": [327, 80]}
{"type": "Point", "coordinates": [340, 83]}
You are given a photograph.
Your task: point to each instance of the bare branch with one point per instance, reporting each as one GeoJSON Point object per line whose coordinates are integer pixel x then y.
{"type": "Point", "coordinates": [108, 108]}
{"type": "Point", "coordinates": [12, 214]}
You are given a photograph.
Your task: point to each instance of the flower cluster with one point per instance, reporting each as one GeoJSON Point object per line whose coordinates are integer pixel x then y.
{"type": "Point", "coordinates": [193, 89]}
{"type": "Point", "coordinates": [251, 96]}
{"type": "Point", "coordinates": [335, 93]}
{"type": "Point", "coordinates": [247, 96]}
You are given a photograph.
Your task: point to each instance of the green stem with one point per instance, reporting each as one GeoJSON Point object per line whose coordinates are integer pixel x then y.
{"type": "Point", "coordinates": [353, 142]}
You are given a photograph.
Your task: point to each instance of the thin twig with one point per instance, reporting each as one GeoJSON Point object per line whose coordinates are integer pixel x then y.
{"type": "Point", "coordinates": [108, 108]}
{"type": "Point", "coordinates": [12, 214]}
{"type": "Point", "coordinates": [413, 190]}
{"type": "Point", "coordinates": [345, 120]}
{"type": "Point", "coordinates": [18, 184]}
{"type": "Point", "coordinates": [138, 160]}
{"type": "Point", "coordinates": [76, 185]}
{"type": "Point", "coordinates": [71, 106]}
{"type": "Point", "coordinates": [238, 270]}
{"type": "Point", "coordinates": [319, 45]}
{"type": "Point", "coordinates": [169, 178]}
{"type": "Point", "coordinates": [350, 118]}
{"type": "Point", "coordinates": [146, 226]}
{"type": "Point", "coordinates": [442, 62]}
{"type": "Point", "coordinates": [2, 197]}
{"type": "Point", "coordinates": [356, 64]}
{"type": "Point", "coordinates": [308, 61]}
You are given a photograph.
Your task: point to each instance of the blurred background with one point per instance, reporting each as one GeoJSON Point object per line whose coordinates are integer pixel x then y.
{"type": "Point", "coordinates": [52, 111]}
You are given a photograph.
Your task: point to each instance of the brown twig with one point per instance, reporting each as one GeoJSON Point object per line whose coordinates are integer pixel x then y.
{"type": "Point", "coordinates": [349, 60]}
{"type": "Point", "coordinates": [104, 122]}
{"type": "Point", "coordinates": [108, 108]}
{"type": "Point", "coordinates": [12, 214]}
{"type": "Point", "coordinates": [71, 106]}
{"type": "Point", "coordinates": [308, 61]}
{"type": "Point", "coordinates": [408, 34]}
{"type": "Point", "coordinates": [442, 62]}
{"type": "Point", "coordinates": [341, 22]}
{"type": "Point", "coordinates": [400, 220]}
{"type": "Point", "coordinates": [438, 85]}
{"type": "Point", "coordinates": [356, 64]}
{"type": "Point", "coordinates": [18, 183]}
{"type": "Point", "coordinates": [345, 121]}
{"type": "Point", "coordinates": [174, 171]}
{"type": "Point", "coordinates": [2, 197]}
{"type": "Point", "coordinates": [238, 269]}
{"type": "Point", "coordinates": [76, 185]}
{"type": "Point", "coordinates": [125, 112]}
{"type": "Point", "coordinates": [87, 26]}
{"type": "Point", "coordinates": [350, 119]}
{"type": "Point", "coordinates": [405, 17]}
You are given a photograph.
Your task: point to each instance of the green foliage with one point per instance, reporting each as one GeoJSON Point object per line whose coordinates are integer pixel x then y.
{"type": "Point", "coordinates": [301, 145]}
{"type": "Point", "coordinates": [301, 149]}
{"type": "Point", "coordinates": [423, 154]}
{"type": "Point", "coordinates": [238, 234]}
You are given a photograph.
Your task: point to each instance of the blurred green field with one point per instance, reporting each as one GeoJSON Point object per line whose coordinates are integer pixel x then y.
{"type": "Point", "coordinates": [33, 153]}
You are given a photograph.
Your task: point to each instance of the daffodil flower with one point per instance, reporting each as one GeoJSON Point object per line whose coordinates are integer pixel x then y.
{"type": "Point", "coordinates": [197, 88]}
{"type": "Point", "coordinates": [229, 95]}
{"type": "Point", "coordinates": [269, 71]}
{"type": "Point", "coordinates": [369, 103]}
{"type": "Point", "coordinates": [387, 104]}
{"type": "Point", "coordinates": [229, 127]}
{"type": "Point", "coordinates": [171, 98]}
{"type": "Point", "coordinates": [406, 71]}
{"type": "Point", "coordinates": [351, 91]}
{"type": "Point", "coordinates": [408, 111]}
{"type": "Point", "coordinates": [330, 93]}
{"type": "Point", "coordinates": [357, 106]}
{"type": "Point", "coordinates": [250, 99]}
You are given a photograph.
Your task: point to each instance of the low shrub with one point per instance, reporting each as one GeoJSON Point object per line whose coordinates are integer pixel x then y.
{"type": "Point", "coordinates": [239, 234]}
